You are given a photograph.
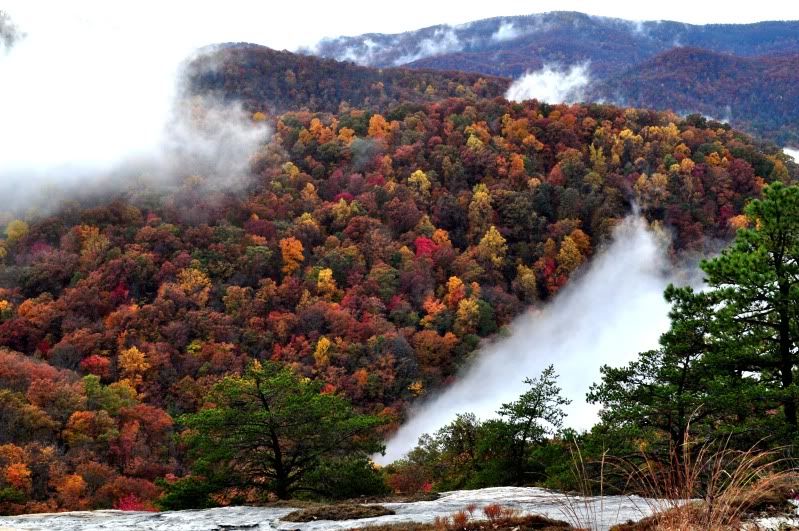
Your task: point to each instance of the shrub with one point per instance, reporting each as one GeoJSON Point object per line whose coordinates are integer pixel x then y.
{"type": "Point", "coordinates": [131, 502]}
{"type": "Point", "coordinates": [191, 492]}
{"type": "Point", "coordinates": [347, 478]}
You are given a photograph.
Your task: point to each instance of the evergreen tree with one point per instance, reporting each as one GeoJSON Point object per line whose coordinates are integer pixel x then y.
{"type": "Point", "coordinates": [728, 361]}
{"type": "Point", "coordinates": [270, 429]}
{"type": "Point", "coordinates": [538, 412]}
{"type": "Point", "coordinates": [756, 281]}
{"type": "Point", "coordinates": [690, 382]}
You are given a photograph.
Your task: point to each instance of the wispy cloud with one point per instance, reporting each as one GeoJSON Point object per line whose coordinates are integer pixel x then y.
{"type": "Point", "coordinates": [91, 106]}
{"type": "Point", "coordinates": [505, 32]}
{"type": "Point", "coordinates": [551, 84]}
{"type": "Point", "coordinates": [9, 33]}
{"type": "Point", "coordinates": [443, 40]}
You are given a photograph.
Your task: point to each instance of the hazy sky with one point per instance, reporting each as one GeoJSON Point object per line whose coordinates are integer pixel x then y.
{"type": "Point", "coordinates": [282, 24]}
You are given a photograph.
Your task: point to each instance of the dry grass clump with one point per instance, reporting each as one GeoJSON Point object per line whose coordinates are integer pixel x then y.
{"type": "Point", "coordinates": [711, 488]}
{"type": "Point", "coordinates": [702, 487]}
{"type": "Point", "coordinates": [495, 517]}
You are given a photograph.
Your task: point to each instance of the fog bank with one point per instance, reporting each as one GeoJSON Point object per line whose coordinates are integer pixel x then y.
{"type": "Point", "coordinates": [94, 106]}
{"type": "Point", "coordinates": [551, 84]}
{"type": "Point", "coordinates": [606, 316]}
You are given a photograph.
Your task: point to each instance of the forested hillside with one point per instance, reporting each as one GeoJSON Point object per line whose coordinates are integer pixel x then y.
{"type": "Point", "coordinates": [757, 93]}
{"type": "Point", "coordinates": [745, 74]}
{"type": "Point", "coordinates": [274, 81]}
{"type": "Point", "coordinates": [370, 253]}
{"type": "Point", "coordinates": [709, 415]}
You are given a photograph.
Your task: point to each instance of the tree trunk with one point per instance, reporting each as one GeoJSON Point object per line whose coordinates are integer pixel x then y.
{"type": "Point", "coordinates": [282, 487]}
{"type": "Point", "coordinates": [786, 357]}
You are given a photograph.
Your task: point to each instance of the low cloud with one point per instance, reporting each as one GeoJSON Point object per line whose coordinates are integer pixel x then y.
{"type": "Point", "coordinates": [89, 109]}
{"type": "Point", "coordinates": [9, 33]}
{"type": "Point", "coordinates": [444, 40]}
{"type": "Point", "coordinates": [506, 32]}
{"type": "Point", "coordinates": [551, 84]}
{"type": "Point", "coordinates": [365, 53]}
{"type": "Point", "coordinates": [792, 153]}
{"type": "Point", "coordinates": [638, 27]}
{"type": "Point", "coordinates": [397, 50]}
{"type": "Point", "coordinates": [607, 316]}
{"type": "Point", "coordinates": [212, 139]}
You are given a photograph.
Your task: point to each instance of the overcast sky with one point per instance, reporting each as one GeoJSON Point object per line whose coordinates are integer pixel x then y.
{"type": "Point", "coordinates": [289, 24]}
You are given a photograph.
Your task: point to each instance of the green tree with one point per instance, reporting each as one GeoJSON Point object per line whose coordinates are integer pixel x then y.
{"type": "Point", "coordinates": [270, 428]}
{"type": "Point", "coordinates": [691, 380]}
{"type": "Point", "coordinates": [756, 281]}
{"type": "Point", "coordinates": [451, 455]}
{"type": "Point", "coordinates": [537, 413]}
{"type": "Point", "coordinates": [730, 355]}
{"type": "Point", "coordinates": [469, 453]}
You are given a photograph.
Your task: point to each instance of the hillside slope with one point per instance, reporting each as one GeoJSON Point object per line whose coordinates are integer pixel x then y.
{"type": "Point", "coordinates": [370, 252]}
{"type": "Point", "coordinates": [277, 81]}
{"type": "Point", "coordinates": [760, 94]}
{"type": "Point", "coordinates": [745, 74]}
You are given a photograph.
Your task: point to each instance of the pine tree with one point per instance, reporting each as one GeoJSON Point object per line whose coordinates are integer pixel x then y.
{"type": "Point", "coordinates": [269, 429]}
{"type": "Point", "coordinates": [757, 282]}
{"type": "Point", "coordinates": [538, 412]}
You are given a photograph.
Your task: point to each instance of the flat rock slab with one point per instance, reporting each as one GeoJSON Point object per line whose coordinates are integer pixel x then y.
{"type": "Point", "coordinates": [594, 512]}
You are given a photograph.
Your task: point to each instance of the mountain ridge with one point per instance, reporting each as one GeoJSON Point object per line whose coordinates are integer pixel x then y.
{"type": "Point", "coordinates": [760, 92]}
{"type": "Point", "coordinates": [612, 50]}
{"type": "Point", "coordinates": [276, 81]}
{"type": "Point", "coordinates": [492, 34]}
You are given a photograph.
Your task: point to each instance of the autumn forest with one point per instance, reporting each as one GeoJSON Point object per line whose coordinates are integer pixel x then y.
{"type": "Point", "coordinates": [393, 221]}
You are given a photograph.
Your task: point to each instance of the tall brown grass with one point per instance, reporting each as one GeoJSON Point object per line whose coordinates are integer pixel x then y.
{"type": "Point", "coordinates": [494, 517]}
{"type": "Point", "coordinates": [581, 510]}
{"type": "Point", "coordinates": [702, 487]}
{"type": "Point", "coordinates": [715, 487]}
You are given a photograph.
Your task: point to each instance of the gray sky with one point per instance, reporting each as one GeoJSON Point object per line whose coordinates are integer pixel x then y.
{"type": "Point", "coordinates": [288, 24]}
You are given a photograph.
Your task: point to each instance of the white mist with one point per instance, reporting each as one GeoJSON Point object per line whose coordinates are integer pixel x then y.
{"type": "Point", "coordinates": [551, 84]}
{"type": "Point", "coordinates": [91, 101]}
{"type": "Point", "coordinates": [608, 315]}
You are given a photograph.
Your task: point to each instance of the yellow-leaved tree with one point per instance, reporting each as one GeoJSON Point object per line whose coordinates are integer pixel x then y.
{"type": "Point", "coordinates": [16, 230]}
{"type": "Point", "coordinates": [321, 353]}
{"type": "Point", "coordinates": [493, 248]}
{"type": "Point", "coordinates": [420, 182]}
{"type": "Point", "coordinates": [291, 251]}
{"type": "Point", "coordinates": [325, 283]}
{"type": "Point", "coordinates": [132, 364]}
{"type": "Point", "coordinates": [480, 212]}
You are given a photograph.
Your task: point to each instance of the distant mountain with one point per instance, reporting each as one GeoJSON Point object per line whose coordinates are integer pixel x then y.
{"type": "Point", "coordinates": [760, 94]}
{"type": "Point", "coordinates": [509, 46]}
{"type": "Point", "coordinates": [744, 73]}
{"type": "Point", "coordinates": [277, 81]}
